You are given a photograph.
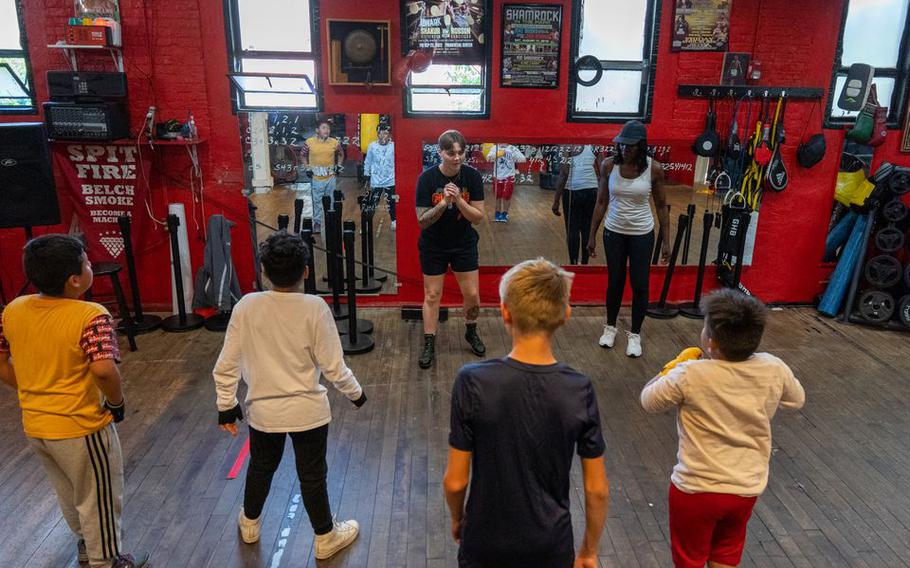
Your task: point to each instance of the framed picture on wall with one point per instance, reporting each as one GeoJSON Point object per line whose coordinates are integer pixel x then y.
{"type": "Point", "coordinates": [454, 29]}
{"type": "Point", "coordinates": [531, 40]}
{"type": "Point", "coordinates": [701, 25]}
{"type": "Point", "coordinates": [736, 66]}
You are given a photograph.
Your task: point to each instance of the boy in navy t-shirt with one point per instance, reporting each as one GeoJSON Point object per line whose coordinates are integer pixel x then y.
{"type": "Point", "coordinates": [515, 424]}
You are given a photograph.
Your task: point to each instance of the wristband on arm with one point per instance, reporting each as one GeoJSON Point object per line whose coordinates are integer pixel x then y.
{"type": "Point", "coordinates": [360, 401]}
{"type": "Point", "coordinates": [117, 410]}
{"type": "Point", "coordinates": [230, 416]}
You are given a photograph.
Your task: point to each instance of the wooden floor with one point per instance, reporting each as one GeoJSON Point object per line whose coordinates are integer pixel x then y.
{"type": "Point", "coordinates": [839, 493]}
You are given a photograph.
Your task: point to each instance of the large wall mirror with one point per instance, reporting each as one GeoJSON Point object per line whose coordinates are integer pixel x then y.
{"type": "Point", "coordinates": [301, 161]}
{"type": "Point", "coordinates": [533, 229]}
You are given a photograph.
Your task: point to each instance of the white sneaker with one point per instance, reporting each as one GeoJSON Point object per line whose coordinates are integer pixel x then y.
{"type": "Point", "coordinates": [633, 348]}
{"type": "Point", "coordinates": [608, 337]}
{"type": "Point", "coordinates": [342, 535]}
{"type": "Point", "coordinates": [249, 529]}
{"type": "Point", "coordinates": [394, 225]}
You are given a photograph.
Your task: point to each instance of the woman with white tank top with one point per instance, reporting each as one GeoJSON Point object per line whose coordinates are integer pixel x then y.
{"type": "Point", "coordinates": [628, 182]}
{"type": "Point", "coordinates": [576, 188]}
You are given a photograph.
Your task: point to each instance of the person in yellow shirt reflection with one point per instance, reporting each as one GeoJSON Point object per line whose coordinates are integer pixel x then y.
{"type": "Point", "coordinates": [322, 156]}
{"type": "Point", "coordinates": [60, 354]}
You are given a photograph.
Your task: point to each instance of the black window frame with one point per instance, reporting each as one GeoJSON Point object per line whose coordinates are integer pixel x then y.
{"type": "Point", "coordinates": [236, 55]}
{"type": "Point", "coordinates": [647, 65]}
{"type": "Point", "coordinates": [22, 53]}
{"type": "Point", "coordinates": [900, 74]}
{"type": "Point", "coordinates": [486, 78]}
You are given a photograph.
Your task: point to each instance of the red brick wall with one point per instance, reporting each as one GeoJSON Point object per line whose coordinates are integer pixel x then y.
{"type": "Point", "coordinates": [175, 54]}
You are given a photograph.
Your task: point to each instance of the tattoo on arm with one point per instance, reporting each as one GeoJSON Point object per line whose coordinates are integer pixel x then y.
{"type": "Point", "coordinates": [426, 216]}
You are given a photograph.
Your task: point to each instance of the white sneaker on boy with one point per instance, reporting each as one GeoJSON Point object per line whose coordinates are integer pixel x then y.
{"type": "Point", "coordinates": [343, 534]}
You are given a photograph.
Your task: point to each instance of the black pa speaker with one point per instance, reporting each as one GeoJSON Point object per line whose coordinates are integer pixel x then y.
{"type": "Point", "coordinates": [28, 197]}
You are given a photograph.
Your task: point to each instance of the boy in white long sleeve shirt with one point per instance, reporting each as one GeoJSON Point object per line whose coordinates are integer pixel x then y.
{"type": "Point", "coordinates": [279, 342]}
{"type": "Point", "coordinates": [505, 157]}
{"type": "Point", "coordinates": [726, 395]}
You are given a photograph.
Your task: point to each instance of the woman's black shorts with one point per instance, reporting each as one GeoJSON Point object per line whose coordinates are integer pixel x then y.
{"type": "Point", "coordinates": [435, 261]}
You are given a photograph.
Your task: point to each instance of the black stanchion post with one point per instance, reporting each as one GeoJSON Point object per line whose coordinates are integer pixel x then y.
{"type": "Point", "coordinates": [658, 243]}
{"type": "Point", "coordinates": [371, 253]}
{"type": "Point", "coordinates": [142, 322]}
{"type": "Point", "coordinates": [182, 321]}
{"type": "Point", "coordinates": [354, 342]}
{"type": "Point", "coordinates": [338, 206]}
{"type": "Point", "coordinates": [306, 233]}
{"type": "Point", "coordinates": [661, 309]}
{"type": "Point", "coordinates": [333, 252]}
{"type": "Point", "coordinates": [283, 222]}
{"type": "Point", "coordinates": [257, 266]}
{"type": "Point", "coordinates": [690, 212]}
{"type": "Point", "coordinates": [298, 215]}
{"type": "Point", "coordinates": [367, 284]}
{"type": "Point", "coordinates": [329, 235]}
{"type": "Point", "coordinates": [692, 309]}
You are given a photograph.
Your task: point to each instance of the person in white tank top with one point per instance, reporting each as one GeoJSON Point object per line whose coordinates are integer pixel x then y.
{"type": "Point", "coordinates": [628, 182]}
{"type": "Point", "coordinates": [576, 188]}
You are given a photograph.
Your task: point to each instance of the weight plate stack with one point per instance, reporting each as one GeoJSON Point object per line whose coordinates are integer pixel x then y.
{"type": "Point", "coordinates": [903, 311]}
{"type": "Point", "coordinates": [899, 182]}
{"type": "Point", "coordinates": [889, 239]}
{"type": "Point", "coordinates": [894, 211]}
{"type": "Point", "coordinates": [883, 271]}
{"type": "Point", "coordinates": [876, 306]}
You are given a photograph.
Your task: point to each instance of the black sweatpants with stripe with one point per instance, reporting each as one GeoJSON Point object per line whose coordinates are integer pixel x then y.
{"type": "Point", "coordinates": [87, 475]}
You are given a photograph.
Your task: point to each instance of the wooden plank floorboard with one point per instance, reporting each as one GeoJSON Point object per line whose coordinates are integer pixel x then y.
{"type": "Point", "coordinates": [838, 493]}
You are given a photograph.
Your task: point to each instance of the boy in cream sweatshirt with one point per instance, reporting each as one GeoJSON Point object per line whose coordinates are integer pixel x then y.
{"type": "Point", "coordinates": [726, 395]}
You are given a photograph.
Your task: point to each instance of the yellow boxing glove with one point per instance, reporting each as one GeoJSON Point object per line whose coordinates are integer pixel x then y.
{"type": "Point", "coordinates": [500, 153]}
{"type": "Point", "coordinates": [686, 355]}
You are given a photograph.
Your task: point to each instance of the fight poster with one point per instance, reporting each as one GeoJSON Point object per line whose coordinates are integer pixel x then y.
{"type": "Point", "coordinates": [454, 29]}
{"type": "Point", "coordinates": [530, 45]}
{"type": "Point", "coordinates": [701, 25]}
{"type": "Point", "coordinates": [101, 183]}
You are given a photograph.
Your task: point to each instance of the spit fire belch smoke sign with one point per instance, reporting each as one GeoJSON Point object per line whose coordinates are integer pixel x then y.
{"type": "Point", "coordinates": [101, 183]}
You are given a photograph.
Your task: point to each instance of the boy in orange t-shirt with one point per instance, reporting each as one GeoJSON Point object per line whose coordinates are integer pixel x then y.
{"type": "Point", "coordinates": [60, 353]}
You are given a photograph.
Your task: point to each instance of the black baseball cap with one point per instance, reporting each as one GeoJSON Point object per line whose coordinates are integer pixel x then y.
{"type": "Point", "coordinates": [632, 132]}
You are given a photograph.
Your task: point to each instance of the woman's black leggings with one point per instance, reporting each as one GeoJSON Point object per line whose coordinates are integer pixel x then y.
{"type": "Point", "coordinates": [636, 251]}
{"type": "Point", "coordinates": [578, 208]}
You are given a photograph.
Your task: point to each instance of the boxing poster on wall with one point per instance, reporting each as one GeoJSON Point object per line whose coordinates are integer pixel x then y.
{"type": "Point", "coordinates": [701, 25]}
{"type": "Point", "coordinates": [101, 183]}
{"type": "Point", "coordinates": [454, 29]}
{"type": "Point", "coordinates": [530, 45]}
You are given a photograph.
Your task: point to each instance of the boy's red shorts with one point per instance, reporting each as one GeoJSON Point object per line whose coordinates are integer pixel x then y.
{"type": "Point", "coordinates": [708, 527]}
{"type": "Point", "coordinates": [504, 188]}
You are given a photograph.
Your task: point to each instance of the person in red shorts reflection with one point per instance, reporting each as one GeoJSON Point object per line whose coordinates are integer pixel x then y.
{"type": "Point", "coordinates": [504, 156]}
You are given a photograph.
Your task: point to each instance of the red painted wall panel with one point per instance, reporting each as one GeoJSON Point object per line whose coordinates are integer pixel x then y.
{"type": "Point", "coordinates": [176, 59]}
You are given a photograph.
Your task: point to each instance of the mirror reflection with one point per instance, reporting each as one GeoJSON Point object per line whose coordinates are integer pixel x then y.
{"type": "Point", "coordinates": [540, 198]}
{"type": "Point", "coordinates": [311, 155]}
